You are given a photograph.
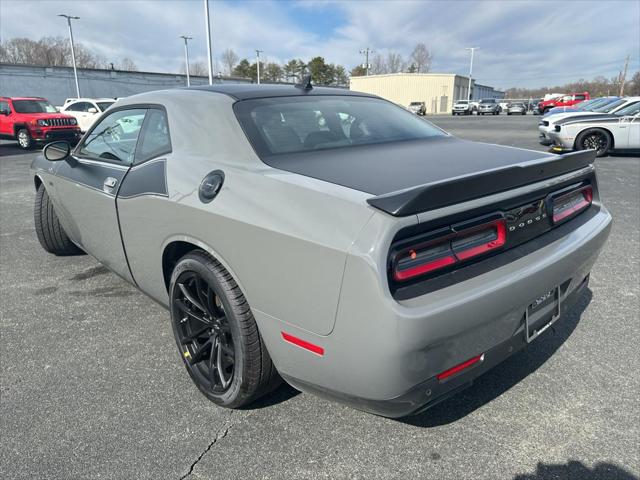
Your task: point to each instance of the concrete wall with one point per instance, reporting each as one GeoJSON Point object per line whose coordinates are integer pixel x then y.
{"type": "Point", "coordinates": [438, 90]}
{"type": "Point", "coordinates": [57, 83]}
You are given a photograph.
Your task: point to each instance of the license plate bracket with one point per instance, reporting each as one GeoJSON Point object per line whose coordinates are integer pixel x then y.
{"type": "Point", "coordinates": [552, 297]}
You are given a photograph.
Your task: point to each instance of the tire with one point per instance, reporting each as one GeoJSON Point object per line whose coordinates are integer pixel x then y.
{"type": "Point", "coordinates": [508, 113]}
{"type": "Point", "coordinates": [545, 110]}
{"type": "Point", "coordinates": [596, 139]}
{"type": "Point", "coordinates": [201, 287]}
{"type": "Point", "coordinates": [50, 233]}
{"type": "Point", "coordinates": [24, 139]}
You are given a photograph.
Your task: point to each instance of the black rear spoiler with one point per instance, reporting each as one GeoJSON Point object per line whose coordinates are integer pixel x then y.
{"type": "Point", "coordinates": [468, 187]}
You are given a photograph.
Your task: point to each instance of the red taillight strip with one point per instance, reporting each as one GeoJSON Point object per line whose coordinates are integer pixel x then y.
{"type": "Point", "coordinates": [501, 232]}
{"type": "Point", "coordinates": [318, 350]}
{"type": "Point", "coordinates": [460, 367]}
{"type": "Point", "coordinates": [587, 198]}
{"type": "Point", "coordinates": [424, 268]}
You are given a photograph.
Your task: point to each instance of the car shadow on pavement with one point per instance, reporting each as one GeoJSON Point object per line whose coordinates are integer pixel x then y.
{"type": "Point", "coordinates": [11, 148]}
{"type": "Point", "coordinates": [574, 470]}
{"type": "Point", "coordinates": [505, 375]}
{"type": "Point", "coordinates": [283, 393]}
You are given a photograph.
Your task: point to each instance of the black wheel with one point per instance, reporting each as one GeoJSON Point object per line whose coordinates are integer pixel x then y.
{"type": "Point", "coordinates": [545, 110]}
{"type": "Point", "coordinates": [217, 335]}
{"type": "Point", "coordinates": [24, 139]}
{"type": "Point", "coordinates": [594, 139]}
{"type": "Point", "coordinates": [508, 113]}
{"type": "Point", "coordinates": [50, 233]}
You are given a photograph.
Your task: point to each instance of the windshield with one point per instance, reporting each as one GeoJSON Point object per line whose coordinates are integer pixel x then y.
{"type": "Point", "coordinates": [632, 109]}
{"type": "Point", "coordinates": [462, 101]}
{"type": "Point", "coordinates": [610, 106]}
{"type": "Point", "coordinates": [490, 100]}
{"type": "Point", "coordinates": [301, 124]}
{"type": "Point", "coordinates": [104, 105]}
{"type": "Point", "coordinates": [33, 106]}
{"type": "Point", "coordinates": [516, 105]}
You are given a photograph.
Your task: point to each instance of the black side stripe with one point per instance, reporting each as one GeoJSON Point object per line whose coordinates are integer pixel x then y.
{"type": "Point", "coordinates": [147, 179]}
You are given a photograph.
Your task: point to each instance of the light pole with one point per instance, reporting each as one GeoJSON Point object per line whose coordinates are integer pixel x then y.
{"type": "Point", "coordinates": [473, 49]}
{"type": "Point", "coordinates": [366, 52]}
{"type": "Point", "coordinates": [73, 51]}
{"type": "Point", "coordinates": [258, 52]}
{"type": "Point", "coordinates": [186, 56]}
{"type": "Point", "coordinates": [206, 19]}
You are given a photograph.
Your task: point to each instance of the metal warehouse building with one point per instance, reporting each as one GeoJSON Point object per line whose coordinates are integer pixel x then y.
{"type": "Point", "coordinates": [438, 90]}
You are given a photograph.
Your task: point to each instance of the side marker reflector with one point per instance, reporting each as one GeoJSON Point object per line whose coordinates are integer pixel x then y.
{"type": "Point", "coordinates": [460, 367]}
{"type": "Point", "coordinates": [318, 350]}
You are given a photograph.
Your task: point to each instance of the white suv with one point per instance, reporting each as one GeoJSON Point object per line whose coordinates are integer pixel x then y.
{"type": "Point", "coordinates": [463, 107]}
{"type": "Point", "coordinates": [86, 110]}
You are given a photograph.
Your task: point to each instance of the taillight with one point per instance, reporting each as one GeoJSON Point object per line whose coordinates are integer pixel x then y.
{"type": "Point", "coordinates": [453, 246]}
{"type": "Point", "coordinates": [567, 205]}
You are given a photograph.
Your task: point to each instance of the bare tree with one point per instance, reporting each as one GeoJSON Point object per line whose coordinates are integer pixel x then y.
{"type": "Point", "coordinates": [229, 60]}
{"type": "Point", "coordinates": [421, 57]}
{"type": "Point", "coordinates": [48, 51]}
{"type": "Point", "coordinates": [395, 63]}
{"type": "Point", "coordinates": [378, 65]}
{"type": "Point", "coordinates": [128, 65]}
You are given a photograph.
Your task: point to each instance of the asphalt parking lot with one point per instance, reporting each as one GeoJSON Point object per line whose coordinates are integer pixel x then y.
{"type": "Point", "coordinates": [92, 385]}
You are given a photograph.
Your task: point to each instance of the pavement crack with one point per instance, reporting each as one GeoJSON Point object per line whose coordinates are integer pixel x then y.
{"type": "Point", "coordinates": [220, 434]}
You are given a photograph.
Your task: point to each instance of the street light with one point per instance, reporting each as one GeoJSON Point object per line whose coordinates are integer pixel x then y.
{"type": "Point", "coordinates": [366, 52]}
{"type": "Point", "coordinates": [206, 19]}
{"type": "Point", "coordinates": [258, 52]}
{"type": "Point", "coordinates": [73, 52]}
{"type": "Point", "coordinates": [186, 56]}
{"type": "Point", "coordinates": [473, 49]}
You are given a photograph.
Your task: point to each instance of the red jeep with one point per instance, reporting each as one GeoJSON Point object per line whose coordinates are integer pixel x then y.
{"type": "Point", "coordinates": [35, 120]}
{"type": "Point", "coordinates": [563, 101]}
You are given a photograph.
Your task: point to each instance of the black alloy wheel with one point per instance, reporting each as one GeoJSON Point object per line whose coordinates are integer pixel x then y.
{"type": "Point", "coordinates": [204, 333]}
{"type": "Point", "coordinates": [216, 333]}
{"type": "Point", "coordinates": [596, 139]}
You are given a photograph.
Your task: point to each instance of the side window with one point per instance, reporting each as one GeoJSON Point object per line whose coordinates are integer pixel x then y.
{"type": "Point", "coordinates": [580, 97]}
{"type": "Point", "coordinates": [4, 107]}
{"type": "Point", "coordinates": [154, 138]}
{"type": "Point", "coordinates": [79, 107]}
{"type": "Point", "coordinates": [115, 137]}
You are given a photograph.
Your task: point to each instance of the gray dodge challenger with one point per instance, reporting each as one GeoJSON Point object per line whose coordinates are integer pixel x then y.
{"type": "Point", "coordinates": [325, 237]}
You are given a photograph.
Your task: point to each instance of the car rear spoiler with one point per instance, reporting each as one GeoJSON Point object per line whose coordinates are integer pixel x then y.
{"type": "Point", "coordinates": [468, 187]}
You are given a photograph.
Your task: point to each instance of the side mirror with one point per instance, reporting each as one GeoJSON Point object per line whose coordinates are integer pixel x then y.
{"type": "Point", "coordinates": [92, 110]}
{"type": "Point", "coordinates": [56, 151]}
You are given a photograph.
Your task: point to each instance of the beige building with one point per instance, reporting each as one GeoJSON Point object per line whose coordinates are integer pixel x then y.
{"type": "Point", "coordinates": [437, 90]}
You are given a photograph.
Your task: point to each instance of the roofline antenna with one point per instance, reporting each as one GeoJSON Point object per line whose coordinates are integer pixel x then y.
{"type": "Point", "coordinates": [305, 82]}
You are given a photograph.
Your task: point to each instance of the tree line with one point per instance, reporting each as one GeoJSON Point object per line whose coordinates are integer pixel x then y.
{"type": "Point", "coordinates": [597, 87]}
{"type": "Point", "coordinates": [56, 52]}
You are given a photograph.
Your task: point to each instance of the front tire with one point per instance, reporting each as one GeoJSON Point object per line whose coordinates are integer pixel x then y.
{"type": "Point", "coordinates": [595, 139]}
{"type": "Point", "coordinates": [24, 139]}
{"type": "Point", "coordinates": [50, 233]}
{"type": "Point", "coordinates": [217, 335]}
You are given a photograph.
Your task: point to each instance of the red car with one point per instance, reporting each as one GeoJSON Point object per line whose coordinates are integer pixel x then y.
{"type": "Point", "coordinates": [564, 101]}
{"type": "Point", "coordinates": [34, 120]}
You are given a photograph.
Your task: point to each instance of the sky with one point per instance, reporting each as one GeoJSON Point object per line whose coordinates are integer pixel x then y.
{"type": "Point", "coordinates": [522, 43]}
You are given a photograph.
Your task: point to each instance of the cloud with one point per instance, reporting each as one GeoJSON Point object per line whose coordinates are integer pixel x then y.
{"type": "Point", "coordinates": [522, 43]}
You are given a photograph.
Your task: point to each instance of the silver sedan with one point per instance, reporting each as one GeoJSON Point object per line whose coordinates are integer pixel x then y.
{"type": "Point", "coordinates": [517, 109]}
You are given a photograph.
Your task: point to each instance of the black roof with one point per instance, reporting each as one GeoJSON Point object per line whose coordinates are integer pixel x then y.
{"type": "Point", "coordinates": [244, 91]}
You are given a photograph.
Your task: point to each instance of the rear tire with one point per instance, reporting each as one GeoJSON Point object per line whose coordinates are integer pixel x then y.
{"type": "Point", "coordinates": [244, 371]}
{"type": "Point", "coordinates": [24, 139]}
{"type": "Point", "coordinates": [50, 233]}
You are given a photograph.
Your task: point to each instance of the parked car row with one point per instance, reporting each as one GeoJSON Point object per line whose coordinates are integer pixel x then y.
{"type": "Point", "coordinates": [604, 125]}
{"type": "Point", "coordinates": [34, 120]}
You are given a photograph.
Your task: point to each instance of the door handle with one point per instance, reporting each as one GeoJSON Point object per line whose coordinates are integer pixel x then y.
{"type": "Point", "coordinates": [109, 184]}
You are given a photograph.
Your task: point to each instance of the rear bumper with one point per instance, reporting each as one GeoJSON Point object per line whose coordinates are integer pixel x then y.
{"type": "Point", "coordinates": [433, 391]}
{"type": "Point", "coordinates": [383, 355]}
